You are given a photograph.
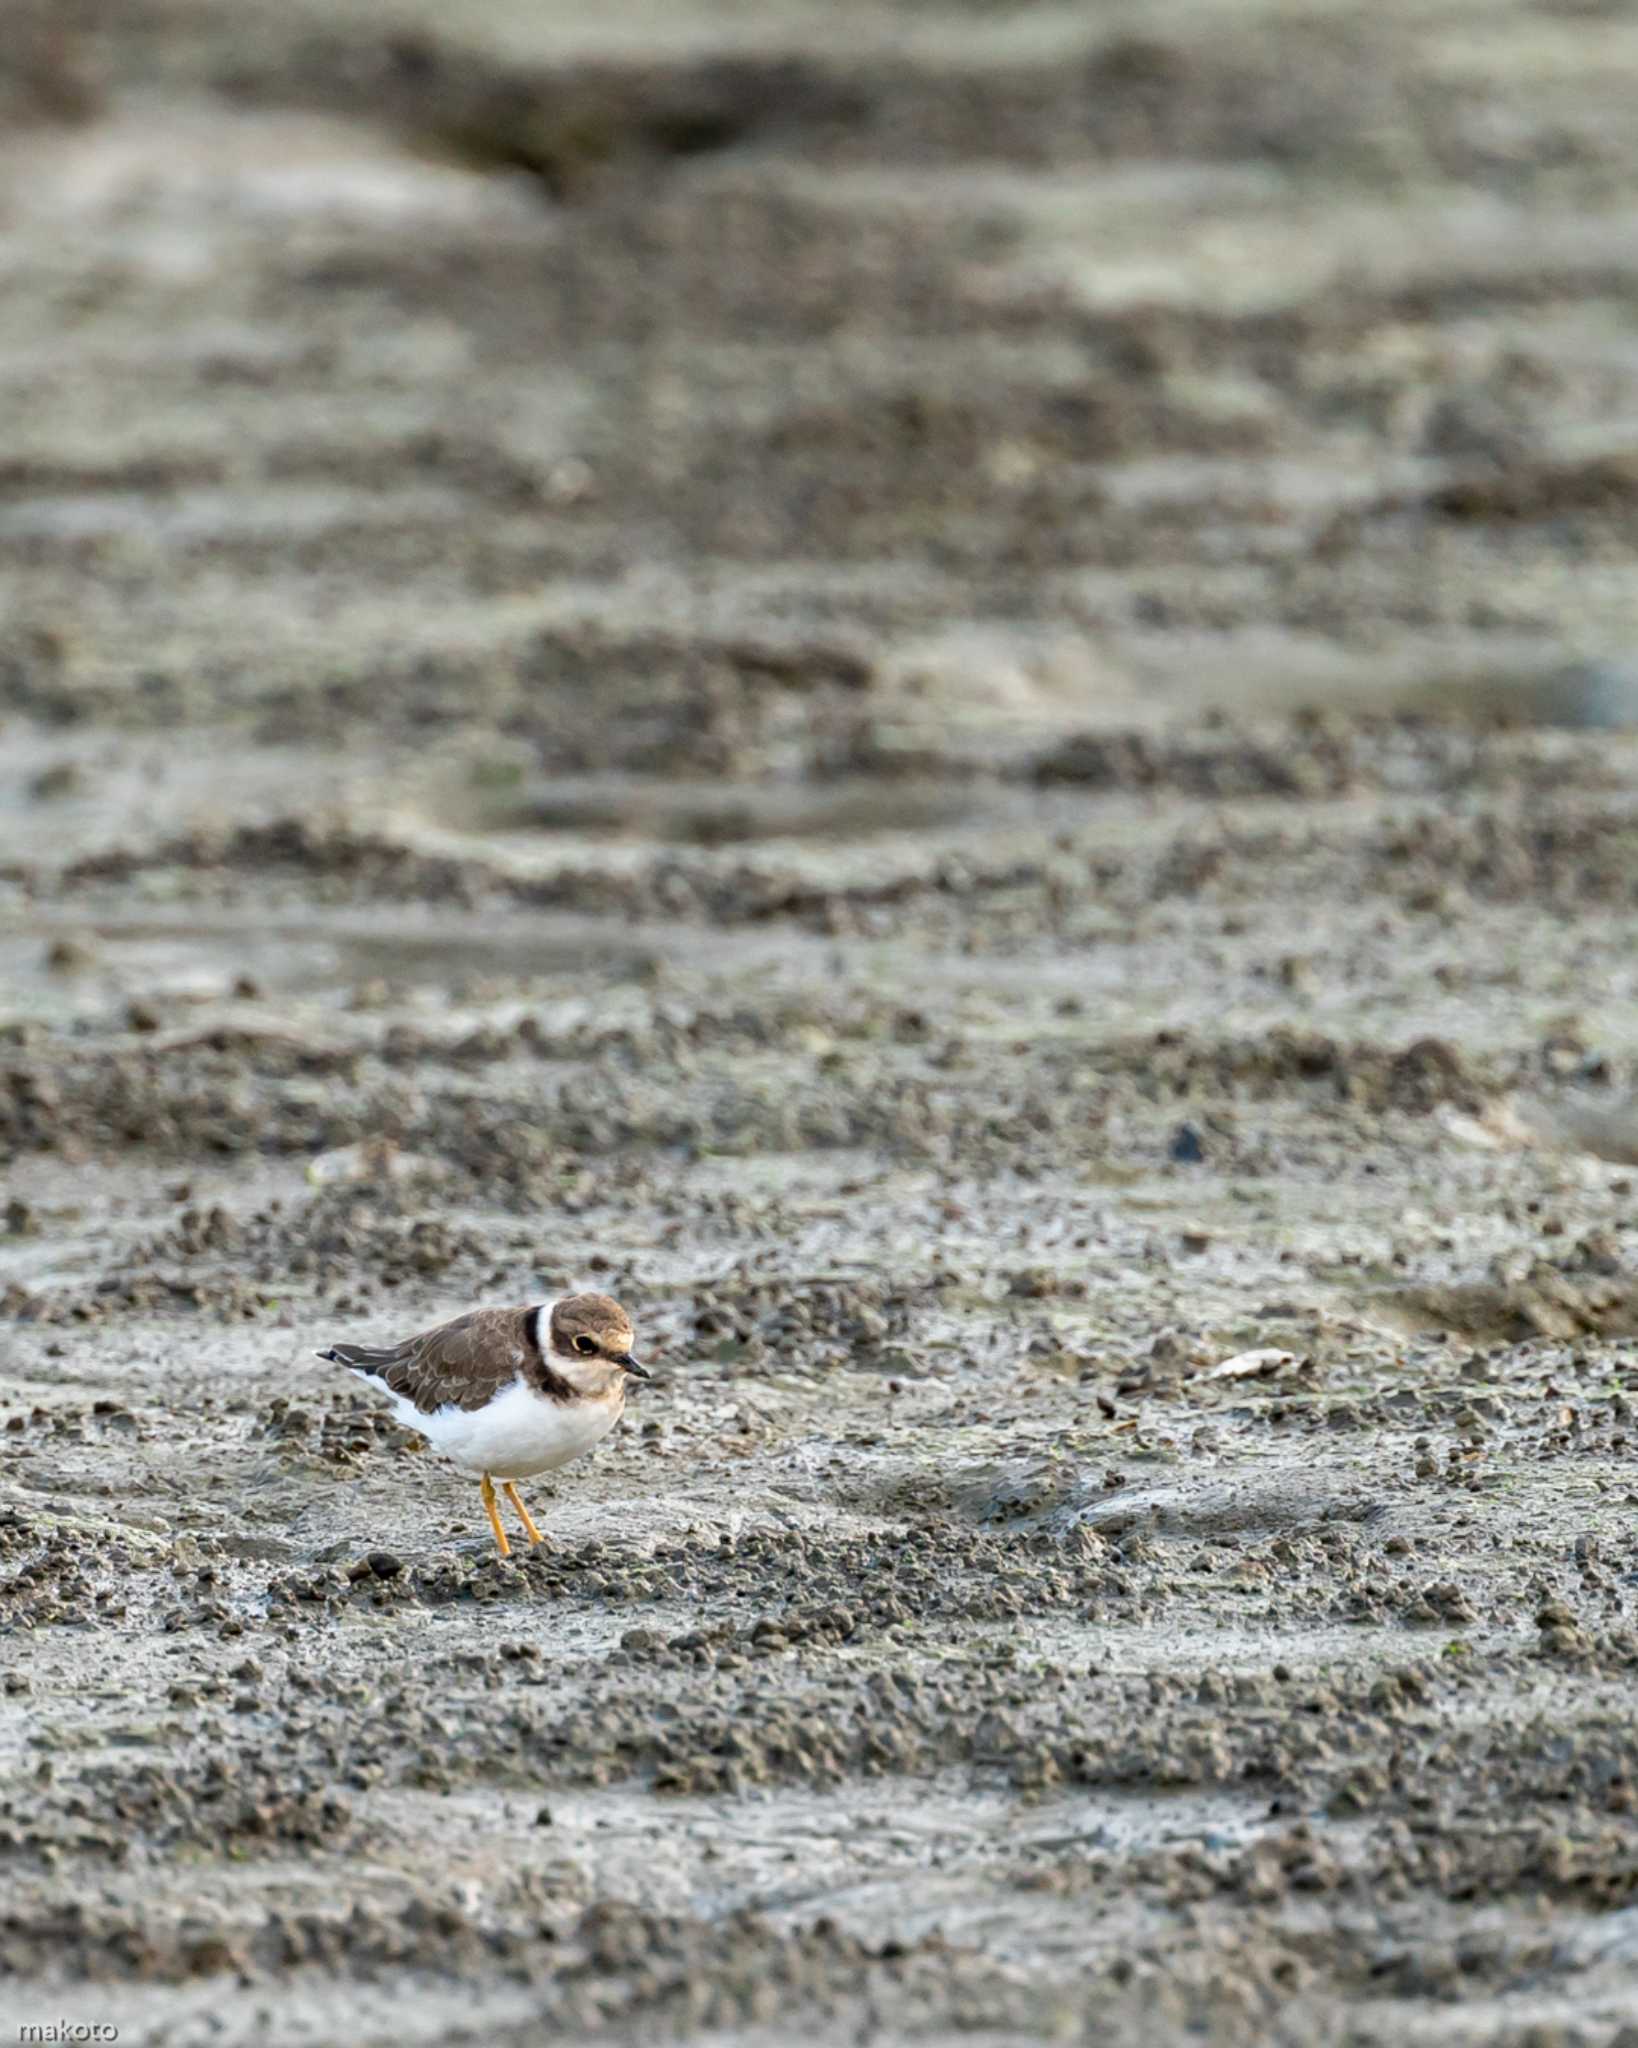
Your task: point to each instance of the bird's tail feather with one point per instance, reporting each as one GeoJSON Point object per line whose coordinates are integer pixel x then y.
{"type": "Point", "coordinates": [357, 1355]}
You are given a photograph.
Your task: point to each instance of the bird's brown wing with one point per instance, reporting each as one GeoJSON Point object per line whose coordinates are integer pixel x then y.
{"type": "Point", "coordinates": [461, 1364]}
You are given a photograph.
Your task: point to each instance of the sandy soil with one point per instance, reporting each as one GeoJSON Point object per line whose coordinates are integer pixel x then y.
{"type": "Point", "coordinates": [947, 692]}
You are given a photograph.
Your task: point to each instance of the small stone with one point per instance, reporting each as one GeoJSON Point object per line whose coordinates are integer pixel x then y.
{"type": "Point", "coordinates": [69, 956]}
{"type": "Point", "coordinates": [1187, 1148]}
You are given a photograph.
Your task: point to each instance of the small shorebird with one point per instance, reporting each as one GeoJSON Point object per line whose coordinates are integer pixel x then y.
{"type": "Point", "coordinates": [508, 1392]}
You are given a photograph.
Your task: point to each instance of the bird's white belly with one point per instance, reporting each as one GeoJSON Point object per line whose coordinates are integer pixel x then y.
{"type": "Point", "coordinates": [517, 1435]}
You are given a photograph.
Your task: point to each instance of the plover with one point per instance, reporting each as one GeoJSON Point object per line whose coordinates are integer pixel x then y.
{"type": "Point", "coordinates": [508, 1392]}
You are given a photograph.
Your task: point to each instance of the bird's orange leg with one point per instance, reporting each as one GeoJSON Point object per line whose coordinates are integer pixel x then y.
{"type": "Point", "coordinates": [488, 1490]}
{"type": "Point", "coordinates": [524, 1516]}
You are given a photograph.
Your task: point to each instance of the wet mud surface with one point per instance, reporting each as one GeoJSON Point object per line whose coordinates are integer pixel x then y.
{"type": "Point", "coordinates": [946, 693]}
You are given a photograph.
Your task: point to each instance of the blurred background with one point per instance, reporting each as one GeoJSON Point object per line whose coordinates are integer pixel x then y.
{"type": "Point", "coordinates": [946, 689]}
{"type": "Point", "coordinates": [702, 422]}
{"type": "Point", "coordinates": [887, 469]}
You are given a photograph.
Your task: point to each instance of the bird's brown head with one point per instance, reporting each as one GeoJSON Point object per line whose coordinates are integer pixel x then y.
{"type": "Point", "coordinates": [591, 1341]}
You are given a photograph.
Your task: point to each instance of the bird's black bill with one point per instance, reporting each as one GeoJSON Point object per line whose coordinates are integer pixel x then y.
{"type": "Point", "coordinates": [631, 1365]}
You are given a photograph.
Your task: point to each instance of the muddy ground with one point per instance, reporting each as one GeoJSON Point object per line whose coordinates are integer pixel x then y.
{"type": "Point", "coordinates": [948, 692]}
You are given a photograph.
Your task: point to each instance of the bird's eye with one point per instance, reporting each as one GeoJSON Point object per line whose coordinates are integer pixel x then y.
{"type": "Point", "coordinates": [585, 1346]}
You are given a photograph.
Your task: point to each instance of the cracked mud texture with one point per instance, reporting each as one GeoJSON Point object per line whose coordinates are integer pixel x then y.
{"type": "Point", "coordinates": [946, 692]}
